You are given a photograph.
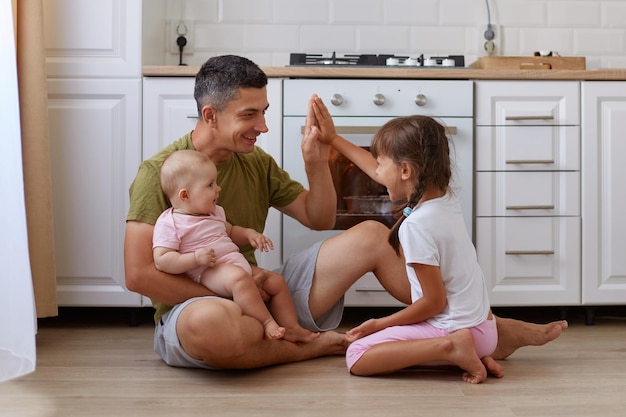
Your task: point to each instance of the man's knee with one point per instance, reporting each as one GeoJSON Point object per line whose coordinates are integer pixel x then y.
{"type": "Point", "coordinates": [211, 330]}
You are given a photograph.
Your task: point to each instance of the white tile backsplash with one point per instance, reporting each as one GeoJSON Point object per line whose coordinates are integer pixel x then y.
{"type": "Point", "coordinates": [301, 12]}
{"type": "Point", "coordinates": [355, 11]}
{"type": "Point", "coordinates": [579, 14]}
{"type": "Point", "coordinates": [268, 30]}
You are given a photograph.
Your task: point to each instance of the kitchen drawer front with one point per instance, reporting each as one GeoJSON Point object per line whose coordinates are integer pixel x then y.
{"type": "Point", "coordinates": [531, 148]}
{"type": "Point", "coordinates": [526, 193]}
{"type": "Point", "coordinates": [367, 292]}
{"type": "Point", "coordinates": [523, 103]}
{"type": "Point", "coordinates": [530, 260]}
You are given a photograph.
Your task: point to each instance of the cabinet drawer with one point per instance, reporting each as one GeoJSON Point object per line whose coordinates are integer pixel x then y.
{"type": "Point", "coordinates": [527, 193]}
{"type": "Point", "coordinates": [522, 103]}
{"type": "Point", "coordinates": [531, 148]}
{"type": "Point", "coordinates": [530, 260]}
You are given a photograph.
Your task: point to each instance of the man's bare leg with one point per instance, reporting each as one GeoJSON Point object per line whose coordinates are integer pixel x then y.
{"type": "Point", "coordinates": [367, 244]}
{"type": "Point", "coordinates": [514, 334]}
{"type": "Point", "coordinates": [216, 331]}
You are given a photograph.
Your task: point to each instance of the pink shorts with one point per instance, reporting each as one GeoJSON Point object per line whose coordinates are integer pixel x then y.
{"type": "Point", "coordinates": [485, 338]}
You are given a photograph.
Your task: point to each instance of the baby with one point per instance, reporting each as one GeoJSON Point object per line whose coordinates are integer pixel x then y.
{"type": "Point", "coordinates": [194, 237]}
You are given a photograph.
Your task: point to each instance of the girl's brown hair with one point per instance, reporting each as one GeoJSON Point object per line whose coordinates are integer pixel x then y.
{"type": "Point", "coordinates": [421, 142]}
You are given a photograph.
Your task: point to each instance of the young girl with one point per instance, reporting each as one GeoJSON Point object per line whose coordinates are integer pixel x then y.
{"type": "Point", "coordinates": [449, 320]}
{"type": "Point", "coordinates": [193, 237]}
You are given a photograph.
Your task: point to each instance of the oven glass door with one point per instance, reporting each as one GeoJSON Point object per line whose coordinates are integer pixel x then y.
{"type": "Point", "coordinates": [359, 130]}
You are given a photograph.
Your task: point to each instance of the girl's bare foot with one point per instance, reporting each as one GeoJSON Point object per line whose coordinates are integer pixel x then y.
{"type": "Point", "coordinates": [299, 334]}
{"type": "Point", "coordinates": [493, 367]}
{"type": "Point", "coordinates": [273, 330]}
{"type": "Point", "coordinates": [514, 334]}
{"type": "Point", "coordinates": [463, 354]}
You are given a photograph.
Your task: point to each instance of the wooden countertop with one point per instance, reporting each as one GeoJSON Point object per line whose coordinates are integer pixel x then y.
{"type": "Point", "coordinates": [407, 73]}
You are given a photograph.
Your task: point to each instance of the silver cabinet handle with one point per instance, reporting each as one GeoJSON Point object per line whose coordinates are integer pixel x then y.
{"type": "Point", "coordinates": [529, 161]}
{"type": "Point", "coordinates": [529, 252]}
{"type": "Point", "coordinates": [192, 116]}
{"type": "Point", "coordinates": [371, 130]}
{"type": "Point", "coordinates": [336, 99]}
{"type": "Point", "coordinates": [547, 117]}
{"type": "Point", "coordinates": [370, 289]}
{"type": "Point", "coordinates": [547, 207]}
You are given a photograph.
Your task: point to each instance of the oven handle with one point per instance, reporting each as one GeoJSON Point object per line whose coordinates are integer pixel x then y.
{"type": "Point", "coordinates": [371, 130]}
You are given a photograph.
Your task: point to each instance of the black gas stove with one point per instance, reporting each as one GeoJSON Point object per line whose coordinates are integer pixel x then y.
{"type": "Point", "coordinates": [377, 60]}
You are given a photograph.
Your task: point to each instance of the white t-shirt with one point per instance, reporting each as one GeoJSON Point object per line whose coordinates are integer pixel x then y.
{"type": "Point", "coordinates": [435, 234]}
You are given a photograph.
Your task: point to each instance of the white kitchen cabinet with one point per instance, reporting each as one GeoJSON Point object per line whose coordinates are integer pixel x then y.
{"type": "Point", "coordinates": [169, 112]}
{"type": "Point", "coordinates": [93, 62]}
{"type": "Point", "coordinates": [95, 150]}
{"type": "Point", "coordinates": [603, 192]}
{"type": "Point", "coordinates": [92, 39]}
{"type": "Point", "coordinates": [528, 191]}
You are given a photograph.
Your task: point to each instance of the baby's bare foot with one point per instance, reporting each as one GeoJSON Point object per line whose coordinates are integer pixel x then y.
{"type": "Point", "coordinates": [299, 334]}
{"type": "Point", "coordinates": [273, 330]}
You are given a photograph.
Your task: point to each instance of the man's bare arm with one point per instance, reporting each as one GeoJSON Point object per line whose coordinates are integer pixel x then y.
{"type": "Point", "coordinates": [143, 277]}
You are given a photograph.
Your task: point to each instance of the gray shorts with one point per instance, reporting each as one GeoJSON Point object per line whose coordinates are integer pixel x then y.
{"type": "Point", "coordinates": [298, 272]}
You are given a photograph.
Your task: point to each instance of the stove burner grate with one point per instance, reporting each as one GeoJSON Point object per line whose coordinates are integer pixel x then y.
{"type": "Point", "coordinates": [300, 59]}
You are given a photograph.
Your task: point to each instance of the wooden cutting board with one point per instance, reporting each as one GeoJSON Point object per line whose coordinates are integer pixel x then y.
{"type": "Point", "coordinates": [530, 62]}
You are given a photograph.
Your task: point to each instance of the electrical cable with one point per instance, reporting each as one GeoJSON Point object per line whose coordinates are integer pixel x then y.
{"type": "Point", "coordinates": [489, 34]}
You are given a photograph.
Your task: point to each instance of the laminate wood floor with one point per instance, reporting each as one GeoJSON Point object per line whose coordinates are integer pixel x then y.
{"type": "Point", "coordinates": [92, 363]}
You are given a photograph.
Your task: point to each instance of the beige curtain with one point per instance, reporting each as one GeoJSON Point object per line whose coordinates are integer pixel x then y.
{"type": "Point", "coordinates": [33, 97]}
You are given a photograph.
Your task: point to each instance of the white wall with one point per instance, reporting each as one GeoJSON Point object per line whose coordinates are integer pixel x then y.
{"type": "Point", "coordinates": [268, 30]}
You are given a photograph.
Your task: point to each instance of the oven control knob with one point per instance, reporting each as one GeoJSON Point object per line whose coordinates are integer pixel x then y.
{"type": "Point", "coordinates": [420, 100]}
{"type": "Point", "coordinates": [379, 99]}
{"type": "Point", "coordinates": [336, 99]}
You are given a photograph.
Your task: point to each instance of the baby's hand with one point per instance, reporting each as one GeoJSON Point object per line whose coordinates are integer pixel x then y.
{"type": "Point", "coordinates": [205, 257]}
{"type": "Point", "coordinates": [260, 242]}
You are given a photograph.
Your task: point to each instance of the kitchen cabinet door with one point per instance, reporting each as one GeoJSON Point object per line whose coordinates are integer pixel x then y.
{"type": "Point", "coordinates": [530, 261]}
{"type": "Point", "coordinates": [93, 39]}
{"type": "Point", "coordinates": [95, 142]}
{"type": "Point", "coordinates": [603, 193]}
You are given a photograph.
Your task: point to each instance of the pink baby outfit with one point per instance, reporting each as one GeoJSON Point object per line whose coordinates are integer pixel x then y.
{"type": "Point", "coordinates": [187, 232]}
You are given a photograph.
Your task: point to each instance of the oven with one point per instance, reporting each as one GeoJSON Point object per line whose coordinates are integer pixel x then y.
{"type": "Point", "coordinates": [359, 107]}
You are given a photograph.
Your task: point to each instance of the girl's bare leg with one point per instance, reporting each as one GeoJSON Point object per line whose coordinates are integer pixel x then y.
{"type": "Point", "coordinates": [367, 242]}
{"type": "Point", "coordinates": [457, 347]}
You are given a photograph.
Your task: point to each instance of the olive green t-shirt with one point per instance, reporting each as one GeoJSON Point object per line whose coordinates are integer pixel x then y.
{"type": "Point", "coordinates": [251, 184]}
